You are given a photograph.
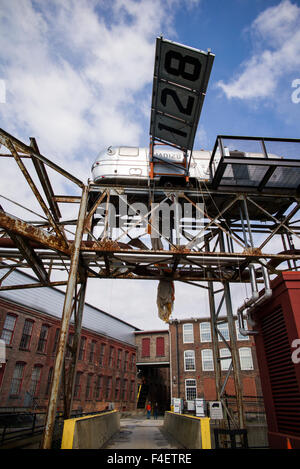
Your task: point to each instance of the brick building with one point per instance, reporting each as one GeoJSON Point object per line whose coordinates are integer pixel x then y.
{"type": "Point", "coordinates": [192, 365]}
{"type": "Point", "coordinates": [153, 364]}
{"type": "Point", "coordinates": [117, 362]}
{"type": "Point", "coordinates": [106, 370]}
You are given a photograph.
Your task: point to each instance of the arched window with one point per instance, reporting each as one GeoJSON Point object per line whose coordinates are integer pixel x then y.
{"type": "Point", "coordinates": [35, 380]}
{"type": "Point", "coordinates": [190, 389]}
{"type": "Point", "coordinates": [49, 381]}
{"type": "Point", "coordinates": [88, 389]}
{"type": "Point", "coordinates": [17, 379]}
{"type": "Point", "coordinates": [26, 334]}
{"type": "Point", "coordinates": [9, 328]}
{"type": "Point", "coordinates": [43, 338]}
{"type": "Point", "coordinates": [246, 361]}
{"type": "Point", "coordinates": [77, 388]}
{"type": "Point", "coordinates": [188, 333]}
{"type": "Point", "coordinates": [225, 362]}
{"type": "Point", "coordinates": [205, 332]}
{"type": "Point", "coordinates": [189, 360]}
{"type": "Point", "coordinates": [207, 360]}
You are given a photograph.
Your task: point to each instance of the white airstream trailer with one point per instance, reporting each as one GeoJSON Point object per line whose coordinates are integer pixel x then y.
{"type": "Point", "coordinates": [131, 165]}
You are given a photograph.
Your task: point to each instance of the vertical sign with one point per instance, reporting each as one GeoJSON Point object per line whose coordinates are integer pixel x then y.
{"type": "Point", "coordinates": [181, 76]}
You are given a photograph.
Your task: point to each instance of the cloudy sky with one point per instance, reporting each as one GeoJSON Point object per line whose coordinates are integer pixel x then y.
{"type": "Point", "coordinates": [77, 76]}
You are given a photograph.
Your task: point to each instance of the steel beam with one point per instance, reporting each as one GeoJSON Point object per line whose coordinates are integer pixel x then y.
{"type": "Point", "coordinates": [67, 310]}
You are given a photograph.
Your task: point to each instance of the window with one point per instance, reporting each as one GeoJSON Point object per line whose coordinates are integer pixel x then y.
{"type": "Point", "coordinates": [17, 379]}
{"type": "Point", "coordinates": [146, 347]}
{"type": "Point", "coordinates": [160, 346]}
{"type": "Point", "coordinates": [26, 334]}
{"type": "Point", "coordinates": [124, 390]}
{"type": "Point", "coordinates": [35, 380]}
{"type": "Point", "coordinates": [225, 363]}
{"type": "Point", "coordinates": [8, 328]}
{"type": "Point", "coordinates": [119, 359]}
{"type": "Point", "coordinates": [111, 356]}
{"type": "Point", "coordinates": [132, 361]}
{"type": "Point", "coordinates": [117, 389]}
{"type": "Point", "coordinates": [132, 391]}
{"type": "Point", "coordinates": [189, 360]}
{"type": "Point", "coordinates": [239, 336]}
{"type": "Point", "coordinates": [190, 389]}
{"type": "Point", "coordinates": [55, 340]}
{"type": "Point", "coordinates": [246, 361]}
{"type": "Point", "coordinates": [102, 354]}
{"type": "Point", "coordinates": [92, 351]}
{"type": "Point", "coordinates": [77, 387]}
{"type": "Point", "coordinates": [188, 334]}
{"type": "Point", "coordinates": [82, 348]}
{"type": "Point", "coordinates": [98, 387]}
{"type": "Point", "coordinates": [49, 381]}
{"type": "Point", "coordinates": [205, 332]}
{"type": "Point", "coordinates": [223, 328]}
{"type": "Point", "coordinates": [207, 360]}
{"type": "Point", "coordinates": [69, 345]}
{"type": "Point", "coordinates": [88, 387]}
{"type": "Point", "coordinates": [108, 387]}
{"type": "Point", "coordinates": [43, 338]}
{"type": "Point", "coordinates": [126, 361]}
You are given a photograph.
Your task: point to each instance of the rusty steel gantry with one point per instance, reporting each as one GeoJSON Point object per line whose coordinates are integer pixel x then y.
{"type": "Point", "coordinates": [233, 226]}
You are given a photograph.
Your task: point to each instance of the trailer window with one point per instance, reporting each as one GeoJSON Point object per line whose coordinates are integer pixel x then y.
{"type": "Point", "coordinates": [128, 151]}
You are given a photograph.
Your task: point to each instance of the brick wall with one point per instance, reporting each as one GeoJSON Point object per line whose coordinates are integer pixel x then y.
{"type": "Point", "coordinates": [152, 336]}
{"type": "Point", "coordinates": [115, 373]}
{"type": "Point", "coordinates": [205, 380]}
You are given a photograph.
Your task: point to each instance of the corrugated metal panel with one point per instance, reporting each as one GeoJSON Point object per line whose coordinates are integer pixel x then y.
{"type": "Point", "coordinates": [285, 389]}
{"type": "Point", "coordinates": [50, 301]}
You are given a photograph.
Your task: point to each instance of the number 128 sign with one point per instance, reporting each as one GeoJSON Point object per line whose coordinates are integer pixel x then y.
{"type": "Point", "coordinates": [181, 76]}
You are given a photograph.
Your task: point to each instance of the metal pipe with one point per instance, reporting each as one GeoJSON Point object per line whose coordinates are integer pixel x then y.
{"type": "Point", "coordinates": [255, 299]}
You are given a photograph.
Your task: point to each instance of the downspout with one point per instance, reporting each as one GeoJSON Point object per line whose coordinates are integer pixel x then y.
{"type": "Point", "coordinates": [255, 299]}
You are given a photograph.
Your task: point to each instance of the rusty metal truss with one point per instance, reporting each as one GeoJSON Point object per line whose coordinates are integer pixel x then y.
{"type": "Point", "coordinates": [224, 232]}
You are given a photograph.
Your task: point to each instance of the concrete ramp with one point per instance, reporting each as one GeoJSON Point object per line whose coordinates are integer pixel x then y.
{"type": "Point", "coordinates": [142, 433]}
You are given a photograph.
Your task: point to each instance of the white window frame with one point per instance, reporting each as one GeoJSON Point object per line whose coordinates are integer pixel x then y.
{"type": "Point", "coordinates": [202, 333]}
{"type": "Point", "coordinates": [225, 326]}
{"type": "Point", "coordinates": [205, 359]}
{"type": "Point", "coordinates": [189, 387]}
{"type": "Point", "coordinates": [187, 340]}
{"type": "Point", "coordinates": [191, 358]}
{"type": "Point", "coordinates": [225, 364]}
{"type": "Point", "coordinates": [246, 367]}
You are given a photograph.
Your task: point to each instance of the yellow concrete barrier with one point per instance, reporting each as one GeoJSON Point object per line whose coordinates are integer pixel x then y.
{"type": "Point", "coordinates": [90, 432]}
{"type": "Point", "coordinates": [191, 432]}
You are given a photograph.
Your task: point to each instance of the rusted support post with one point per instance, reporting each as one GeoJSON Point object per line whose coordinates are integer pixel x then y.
{"type": "Point", "coordinates": [67, 310]}
{"type": "Point", "coordinates": [78, 312]}
{"type": "Point", "coordinates": [234, 350]}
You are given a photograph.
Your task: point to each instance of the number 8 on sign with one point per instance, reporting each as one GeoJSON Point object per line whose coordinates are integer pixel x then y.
{"type": "Point", "coordinates": [185, 66]}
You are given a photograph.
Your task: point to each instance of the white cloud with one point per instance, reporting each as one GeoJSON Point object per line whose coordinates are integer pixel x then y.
{"type": "Point", "coordinates": [276, 53]}
{"type": "Point", "coordinates": [77, 75]}
{"type": "Point", "coordinates": [74, 70]}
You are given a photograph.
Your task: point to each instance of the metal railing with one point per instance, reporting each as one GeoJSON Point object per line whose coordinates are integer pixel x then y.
{"type": "Point", "coordinates": [20, 425]}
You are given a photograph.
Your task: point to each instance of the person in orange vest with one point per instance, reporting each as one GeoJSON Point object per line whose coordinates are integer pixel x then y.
{"type": "Point", "coordinates": [148, 408]}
